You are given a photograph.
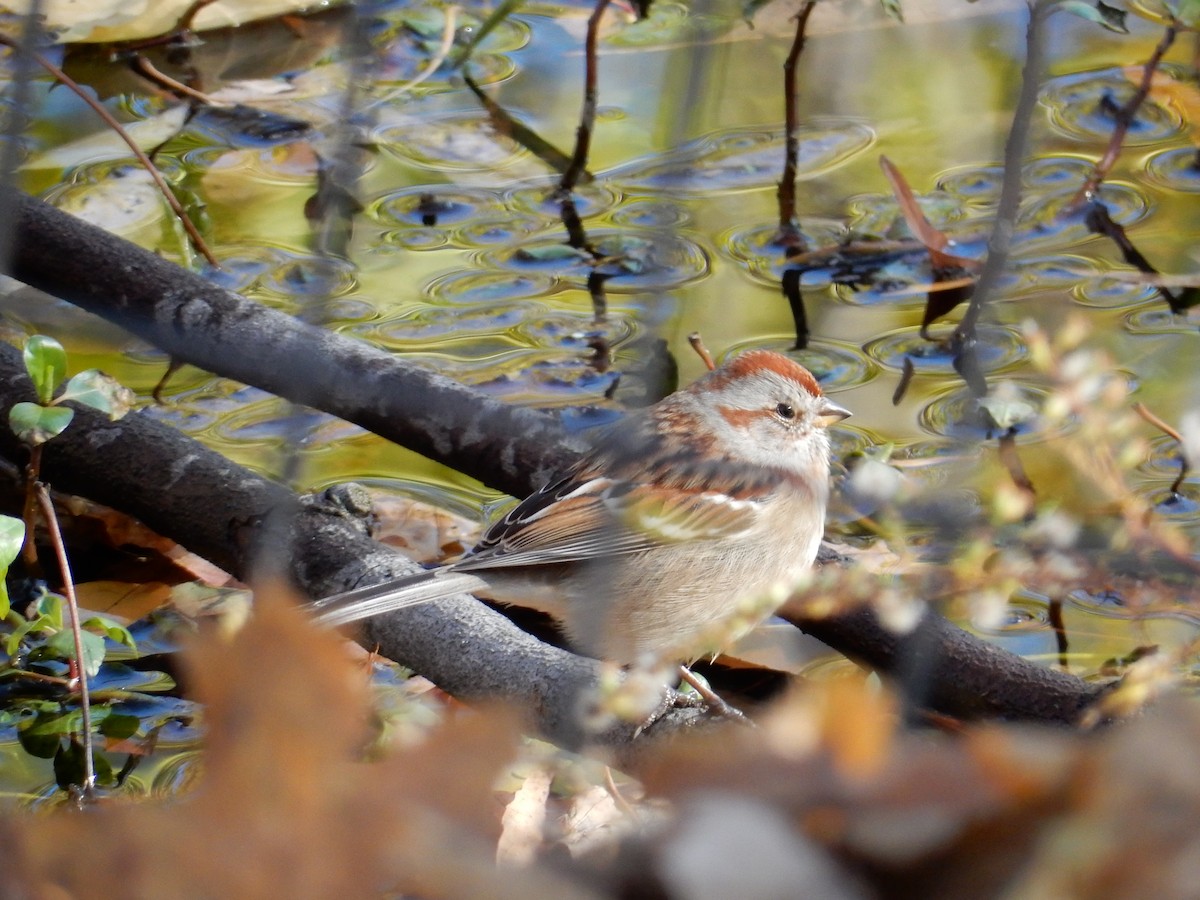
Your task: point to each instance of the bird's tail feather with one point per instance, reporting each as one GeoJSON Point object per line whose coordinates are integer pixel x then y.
{"type": "Point", "coordinates": [364, 602]}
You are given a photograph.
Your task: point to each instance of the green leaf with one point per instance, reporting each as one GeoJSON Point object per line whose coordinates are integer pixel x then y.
{"type": "Point", "coordinates": [1101, 13]}
{"type": "Point", "coordinates": [12, 642]}
{"type": "Point", "coordinates": [35, 424]}
{"type": "Point", "coordinates": [49, 610]}
{"type": "Point", "coordinates": [63, 644]}
{"type": "Point", "coordinates": [12, 535]}
{"type": "Point", "coordinates": [119, 726]}
{"type": "Point", "coordinates": [56, 722]}
{"type": "Point", "coordinates": [99, 391]}
{"type": "Point", "coordinates": [112, 630]}
{"type": "Point", "coordinates": [893, 9]}
{"type": "Point", "coordinates": [41, 744]}
{"type": "Point", "coordinates": [69, 766]}
{"type": "Point", "coordinates": [46, 363]}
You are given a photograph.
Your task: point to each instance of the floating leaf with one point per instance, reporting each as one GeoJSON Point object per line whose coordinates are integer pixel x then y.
{"type": "Point", "coordinates": [70, 770]}
{"type": "Point", "coordinates": [99, 391]}
{"type": "Point", "coordinates": [35, 424]}
{"type": "Point", "coordinates": [46, 363]}
{"type": "Point", "coordinates": [1108, 17]}
{"type": "Point", "coordinates": [63, 644]}
{"type": "Point", "coordinates": [119, 726]}
{"type": "Point", "coordinates": [110, 629]}
{"type": "Point", "coordinates": [38, 743]}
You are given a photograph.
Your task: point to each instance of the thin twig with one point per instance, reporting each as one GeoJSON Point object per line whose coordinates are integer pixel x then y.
{"type": "Point", "coordinates": [789, 230]}
{"type": "Point", "coordinates": [1124, 118]}
{"type": "Point", "coordinates": [715, 703]}
{"type": "Point", "coordinates": [587, 117]}
{"type": "Point", "coordinates": [98, 108]}
{"type": "Point", "coordinates": [1184, 469]}
{"type": "Point", "coordinates": [1016, 148]}
{"type": "Point", "coordinates": [697, 343]}
{"type": "Point", "coordinates": [85, 703]}
{"type": "Point", "coordinates": [148, 70]}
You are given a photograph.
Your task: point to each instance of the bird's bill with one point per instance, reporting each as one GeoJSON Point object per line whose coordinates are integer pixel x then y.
{"type": "Point", "coordinates": [830, 413]}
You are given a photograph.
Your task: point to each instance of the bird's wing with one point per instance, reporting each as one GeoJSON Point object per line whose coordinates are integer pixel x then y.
{"type": "Point", "coordinates": [582, 519]}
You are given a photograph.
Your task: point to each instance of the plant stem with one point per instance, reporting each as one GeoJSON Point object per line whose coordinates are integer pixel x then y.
{"type": "Point", "coordinates": [85, 705]}
{"type": "Point", "coordinates": [33, 471]}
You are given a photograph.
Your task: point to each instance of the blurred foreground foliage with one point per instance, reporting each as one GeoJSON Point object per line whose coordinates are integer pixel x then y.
{"type": "Point", "coordinates": [828, 797]}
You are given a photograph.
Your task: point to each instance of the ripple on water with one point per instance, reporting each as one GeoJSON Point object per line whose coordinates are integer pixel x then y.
{"type": "Point", "coordinates": [1082, 106]}
{"type": "Point", "coordinates": [975, 185]}
{"type": "Point", "coordinates": [271, 423]}
{"type": "Point", "coordinates": [744, 159]}
{"type": "Point", "coordinates": [631, 260]}
{"type": "Point", "coordinates": [541, 378]}
{"type": "Point", "coordinates": [242, 266]}
{"type": "Point", "coordinates": [879, 216]}
{"type": "Point", "coordinates": [1164, 459]}
{"type": "Point", "coordinates": [835, 365]}
{"type": "Point", "coordinates": [1041, 274]}
{"type": "Point", "coordinates": [299, 276]}
{"type": "Point", "coordinates": [542, 200]}
{"type": "Point", "coordinates": [998, 347]}
{"type": "Point", "coordinates": [494, 231]}
{"type": "Point", "coordinates": [1112, 293]}
{"type": "Point", "coordinates": [178, 775]}
{"type": "Point", "coordinates": [470, 286]}
{"type": "Point", "coordinates": [456, 141]}
{"type": "Point", "coordinates": [1180, 506]}
{"type": "Point", "coordinates": [959, 415]}
{"type": "Point", "coordinates": [578, 332]}
{"type": "Point", "coordinates": [1177, 169]}
{"type": "Point", "coordinates": [1056, 218]}
{"type": "Point", "coordinates": [1022, 614]}
{"type": "Point", "coordinates": [430, 325]}
{"type": "Point", "coordinates": [650, 214]}
{"type": "Point", "coordinates": [759, 250]}
{"type": "Point", "coordinates": [434, 206]}
{"type": "Point", "coordinates": [1159, 319]}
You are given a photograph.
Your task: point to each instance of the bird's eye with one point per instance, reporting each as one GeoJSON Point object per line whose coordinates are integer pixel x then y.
{"type": "Point", "coordinates": [785, 411]}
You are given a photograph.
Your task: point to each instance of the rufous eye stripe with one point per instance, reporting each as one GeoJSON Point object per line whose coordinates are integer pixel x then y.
{"type": "Point", "coordinates": [742, 418]}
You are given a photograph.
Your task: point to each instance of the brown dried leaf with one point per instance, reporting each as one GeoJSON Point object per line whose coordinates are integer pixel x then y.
{"type": "Point", "coordinates": [284, 807]}
{"type": "Point", "coordinates": [122, 600]}
{"type": "Point", "coordinates": [522, 828]}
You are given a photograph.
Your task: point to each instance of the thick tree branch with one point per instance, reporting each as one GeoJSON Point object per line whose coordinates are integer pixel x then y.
{"type": "Point", "coordinates": [212, 506]}
{"type": "Point", "coordinates": [199, 323]}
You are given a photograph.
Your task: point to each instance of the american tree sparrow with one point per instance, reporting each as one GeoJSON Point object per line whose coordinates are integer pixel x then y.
{"type": "Point", "coordinates": [655, 539]}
